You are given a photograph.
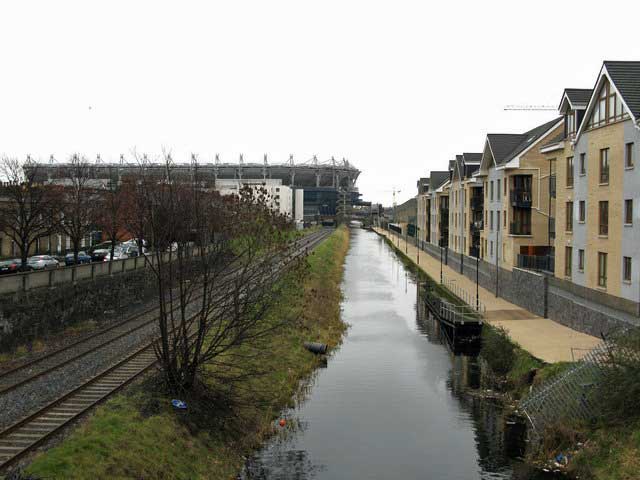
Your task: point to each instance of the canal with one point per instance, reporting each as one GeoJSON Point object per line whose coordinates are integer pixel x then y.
{"type": "Point", "coordinates": [393, 402]}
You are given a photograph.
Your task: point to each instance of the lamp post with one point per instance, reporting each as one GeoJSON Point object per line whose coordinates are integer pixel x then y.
{"type": "Point", "coordinates": [406, 238]}
{"type": "Point", "coordinates": [477, 281]}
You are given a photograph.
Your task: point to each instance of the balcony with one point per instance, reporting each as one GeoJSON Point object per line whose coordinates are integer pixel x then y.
{"type": "Point", "coordinates": [477, 226]}
{"type": "Point", "coordinates": [516, 228]}
{"type": "Point", "coordinates": [544, 263]}
{"type": "Point", "coordinates": [477, 203]}
{"type": "Point", "coordinates": [521, 198]}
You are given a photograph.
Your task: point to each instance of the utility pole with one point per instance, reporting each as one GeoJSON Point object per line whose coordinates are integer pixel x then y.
{"type": "Point", "coordinates": [497, 256]}
{"type": "Point", "coordinates": [477, 281]}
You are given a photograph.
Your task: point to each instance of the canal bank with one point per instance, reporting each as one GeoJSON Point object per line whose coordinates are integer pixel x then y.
{"type": "Point", "coordinates": [542, 337]}
{"type": "Point", "coordinates": [138, 434]}
{"type": "Point", "coordinates": [394, 402]}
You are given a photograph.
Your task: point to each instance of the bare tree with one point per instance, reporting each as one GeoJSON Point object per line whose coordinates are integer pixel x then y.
{"type": "Point", "coordinates": [215, 301]}
{"type": "Point", "coordinates": [27, 203]}
{"type": "Point", "coordinates": [110, 212]}
{"type": "Point", "coordinates": [79, 202]}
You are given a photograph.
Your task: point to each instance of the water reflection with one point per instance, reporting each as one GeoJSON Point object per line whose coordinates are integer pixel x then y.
{"type": "Point", "coordinates": [394, 401]}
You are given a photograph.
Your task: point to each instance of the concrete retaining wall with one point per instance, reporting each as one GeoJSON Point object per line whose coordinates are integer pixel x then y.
{"type": "Point", "coordinates": [545, 295]}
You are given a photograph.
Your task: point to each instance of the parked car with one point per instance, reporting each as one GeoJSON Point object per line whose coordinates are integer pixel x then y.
{"type": "Point", "coordinates": [100, 254]}
{"type": "Point", "coordinates": [12, 266]}
{"type": "Point", "coordinates": [130, 250]}
{"type": "Point", "coordinates": [82, 258]}
{"type": "Point", "coordinates": [40, 262]}
{"type": "Point", "coordinates": [118, 254]}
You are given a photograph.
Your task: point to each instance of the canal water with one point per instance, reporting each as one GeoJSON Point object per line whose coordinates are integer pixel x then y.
{"type": "Point", "coordinates": [392, 402]}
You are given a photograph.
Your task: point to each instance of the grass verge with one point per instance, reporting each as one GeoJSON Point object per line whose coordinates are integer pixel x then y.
{"type": "Point", "coordinates": [138, 435]}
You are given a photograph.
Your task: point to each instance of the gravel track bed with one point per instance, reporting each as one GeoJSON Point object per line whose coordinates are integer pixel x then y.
{"type": "Point", "coordinates": [27, 398]}
{"type": "Point", "coordinates": [63, 339]}
{"type": "Point", "coordinates": [63, 356]}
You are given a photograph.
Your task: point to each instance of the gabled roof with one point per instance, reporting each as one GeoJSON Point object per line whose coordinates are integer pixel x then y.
{"type": "Point", "coordinates": [506, 146]}
{"type": "Point", "coordinates": [576, 96]}
{"type": "Point", "coordinates": [471, 158]}
{"type": "Point", "coordinates": [554, 140]}
{"type": "Point", "coordinates": [437, 179]}
{"type": "Point", "coordinates": [626, 77]}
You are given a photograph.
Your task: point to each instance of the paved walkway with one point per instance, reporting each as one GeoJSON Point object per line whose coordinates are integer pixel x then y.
{"type": "Point", "coordinates": [542, 337]}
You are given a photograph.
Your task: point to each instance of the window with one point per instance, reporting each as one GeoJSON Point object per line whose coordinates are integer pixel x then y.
{"type": "Point", "coordinates": [604, 165]}
{"type": "Point", "coordinates": [568, 253]}
{"type": "Point", "coordinates": [628, 155]}
{"type": "Point", "coordinates": [498, 220]}
{"type": "Point", "coordinates": [569, 171]}
{"type": "Point", "coordinates": [491, 248]}
{"type": "Point", "coordinates": [608, 109]}
{"type": "Point", "coordinates": [505, 187]}
{"type": "Point", "coordinates": [491, 187]}
{"type": "Point", "coordinates": [498, 190]}
{"type": "Point", "coordinates": [569, 217]}
{"type": "Point", "coordinates": [583, 164]}
{"type": "Point", "coordinates": [626, 269]}
{"type": "Point", "coordinates": [571, 122]}
{"type": "Point", "coordinates": [603, 215]}
{"type": "Point", "coordinates": [581, 260]}
{"type": "Point", "coordinates": [491, 220]}
{"type": "Point", "coordinates": [602, 269]}
{"type": "Point", "coordinates": [581, 211]}
{"type": "Point", "coordinates": [628, 212]}
{"type": "Point", "coordinates": [504, 219]}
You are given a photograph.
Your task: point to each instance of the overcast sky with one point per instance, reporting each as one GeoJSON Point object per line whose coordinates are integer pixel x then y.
{"type": "Point", "coordinates": [397, 87]}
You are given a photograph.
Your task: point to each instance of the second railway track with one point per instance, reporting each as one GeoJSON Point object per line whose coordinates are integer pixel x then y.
{"type": "Point", "coordinates": [26, 434]}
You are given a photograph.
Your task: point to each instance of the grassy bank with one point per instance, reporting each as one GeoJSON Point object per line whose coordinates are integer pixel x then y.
{"type": "Point", "coordinates": [138, 435]}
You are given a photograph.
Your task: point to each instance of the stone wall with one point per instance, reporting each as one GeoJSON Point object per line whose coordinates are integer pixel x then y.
{"type": "Point", "coordinates": [544, 295]}
{"type": "Point", "coordinates": [28, 316]}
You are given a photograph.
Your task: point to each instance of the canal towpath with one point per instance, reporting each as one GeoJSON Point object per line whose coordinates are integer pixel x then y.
{"type": "Point", "coordinates": [541, 337]}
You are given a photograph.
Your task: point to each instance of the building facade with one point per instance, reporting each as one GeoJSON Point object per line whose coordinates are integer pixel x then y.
{"type": "Point", "coordinates": [599, 186]}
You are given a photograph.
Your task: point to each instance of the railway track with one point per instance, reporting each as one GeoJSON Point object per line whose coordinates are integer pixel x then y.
{"type": "Point", "coordinates": [26, 434]}
{"type": "Point", "coordinates": [22, 374]}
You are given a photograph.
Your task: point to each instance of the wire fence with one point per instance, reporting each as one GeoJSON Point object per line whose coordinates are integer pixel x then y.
{"type": "Point", "coordinates": [570, 396]}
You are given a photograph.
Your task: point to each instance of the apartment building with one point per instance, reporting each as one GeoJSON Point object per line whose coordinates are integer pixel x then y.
{"type": "Point", "coordinates": [518, 207]}
{"type": "Point", "coordinates": [423, 208]}
{"type": "Point", "coordinates": [559, 152]}
{"type": "Point", "coordinates": [439, 208]}
{"type": "Point", "coordinates": [599, 184]}
{"type": "Point", "coordinates": [463, 235]}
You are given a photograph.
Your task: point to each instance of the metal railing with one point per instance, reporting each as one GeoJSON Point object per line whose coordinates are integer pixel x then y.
{"type": "Point", "coordinates": [516, 228]}
{"type": "Point", "coordinates": [462, 294]}
{"type": "Point", "coordinates": [521, 198]}
{"type": "Point", "coordinates": [536, 262]}
{"type": "Point", "coordinates": [477, 202]}
{"type": "Point", "coordinates": [477, 225]}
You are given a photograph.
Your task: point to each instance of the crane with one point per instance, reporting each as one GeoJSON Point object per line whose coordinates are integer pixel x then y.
{"type": "Point", "coordinates": [530, 107]}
